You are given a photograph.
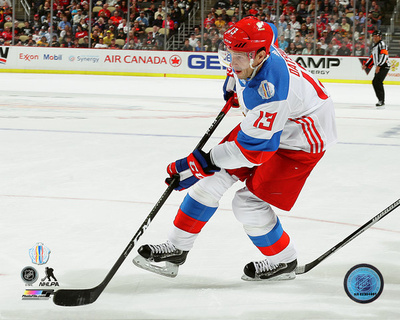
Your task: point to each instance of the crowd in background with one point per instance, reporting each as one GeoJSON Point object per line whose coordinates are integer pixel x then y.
{"type": "Point", "coordinates": [338, 25]}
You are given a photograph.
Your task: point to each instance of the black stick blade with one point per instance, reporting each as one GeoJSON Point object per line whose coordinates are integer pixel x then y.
{"type": "Point", "coordinates": [75, 297]}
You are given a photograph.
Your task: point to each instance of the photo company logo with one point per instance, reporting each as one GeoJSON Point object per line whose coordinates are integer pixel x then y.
{"type": "Point", "coordinates": [363, 283]}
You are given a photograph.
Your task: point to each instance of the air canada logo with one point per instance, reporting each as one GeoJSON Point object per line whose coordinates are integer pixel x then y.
{"type": "Point", "coordinates": [175, 61]}
{"type": "Point", "coordinates": [3, 55]}
{"type": "Point", "coordinates": [39, 253]}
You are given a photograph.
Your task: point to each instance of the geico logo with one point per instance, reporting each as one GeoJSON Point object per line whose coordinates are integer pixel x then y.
{"type": "Point", "coordinates": [198, 61]}
{"type": "Point", "coordinates": [318, 63]}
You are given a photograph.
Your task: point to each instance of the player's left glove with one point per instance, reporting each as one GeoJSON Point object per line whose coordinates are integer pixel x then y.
{"type": "Point", "coordinates": [191, 169]}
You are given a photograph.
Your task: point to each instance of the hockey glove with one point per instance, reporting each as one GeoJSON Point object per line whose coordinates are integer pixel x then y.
{"type": "Point", "coordinates": [191, 169]}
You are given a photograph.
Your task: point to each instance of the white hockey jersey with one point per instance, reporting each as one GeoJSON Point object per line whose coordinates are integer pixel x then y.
{"type": "Point", "coordinates": [285, 107]}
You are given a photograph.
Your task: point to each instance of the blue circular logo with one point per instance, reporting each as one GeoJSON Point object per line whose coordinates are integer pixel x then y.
{"type": "Point", "coordinates": [363, 283]}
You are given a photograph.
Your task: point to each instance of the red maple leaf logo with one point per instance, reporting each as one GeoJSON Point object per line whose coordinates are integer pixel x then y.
{"type": "Point", "coordinates": [175, 61]}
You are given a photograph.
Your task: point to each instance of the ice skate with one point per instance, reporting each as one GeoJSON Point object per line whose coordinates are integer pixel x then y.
{"type": "Point", "coordinates": [264, 270]}
{"type": "Point", "coordinates": [163, 259]}
{"type": "Point", "coordinates": [380, 105]}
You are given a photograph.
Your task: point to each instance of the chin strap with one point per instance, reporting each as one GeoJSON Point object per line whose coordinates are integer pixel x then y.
{"type": "Point", "coordinates": [255, 69]}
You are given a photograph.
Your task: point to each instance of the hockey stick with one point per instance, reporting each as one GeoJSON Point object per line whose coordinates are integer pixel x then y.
{"type": "Point", "coordinates": [370, 223]}
{"type": "Point", "coordinates": [78, 297]}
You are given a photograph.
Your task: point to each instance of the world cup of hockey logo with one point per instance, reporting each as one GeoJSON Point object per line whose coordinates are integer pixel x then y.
{"type": "Point", "coordinates": [39, 254]}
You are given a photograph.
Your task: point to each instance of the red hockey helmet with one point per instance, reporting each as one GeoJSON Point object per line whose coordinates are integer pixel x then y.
{"type": "Point", "coordinates": [249, 34]}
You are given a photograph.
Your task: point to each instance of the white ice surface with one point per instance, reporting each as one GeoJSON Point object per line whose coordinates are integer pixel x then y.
{"type": "Point", "coordinates": [82, 163]}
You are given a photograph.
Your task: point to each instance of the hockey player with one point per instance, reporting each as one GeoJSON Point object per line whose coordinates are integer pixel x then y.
{"type": "Point", "coordinates": [289, 123]}
{"type": "Point", "coordinates": [379, 58]}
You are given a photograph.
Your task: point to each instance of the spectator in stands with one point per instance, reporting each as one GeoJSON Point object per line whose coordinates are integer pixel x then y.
{"type": "Point", "coordinates": [320, 27]}
{"type": "Point", "coordinates": [113, 45]}
{"type": "Point", "coordinates": [76, 19]}
{"type": "Point", "coordinates": [138, 31]}
{"type": "Point", "coordinates": [6, 35]}
{"type": "Point", "coordinates": [123, 26]}
{"type": "Point", "coordinates": [108, 37]}
{"type": "Point", "coordinates": [359, 51]}
{"type": "Point", "coordinates": [221, 4]}
{"type": "Point", "coordinates": [323, 43]}
{"type": "Point", "coordinates": [159, 21]}
{"type": "Point", "coordinates": [328, 34]}
{"type": "Point", "coordinates": [294, 24]}
{"type": "Point", "coordinates": [67, 42]}
{"type": "Point", "coordinates": [375, 15]}
{"type": "Point", "coordinates": [30, 42]}
{"type": "Point", "coordinates": [36, 36]}
{"type": "Point", "coordinates": [298, 44]}
{"type": "Point", "coordinates": [319, 50]}
{"type": "Point", "coordinates": [209, 22]}
{"type": "Point", "coordinates": [116, 18]}
{"type": "Point", "coordinates": [43, 42]}
{"type": "Point", "coordinates": [100, 44]}
{"type": "Point", "coordinates": [142, 20]}
{"type": "Point", "coordinates": [85, 43]}
{"type": "Point", "coordinates": [187, 46]}
{"type": "Point", "coordinates": [160, 11]}
{"type": "Point", "coordinates": [105, 12]}
{"type": "Point", "coordinates": [27, 28]}
{"type": "Point", "coordinates": [176, 13]}
{"type": "Point", "coordinates": [289, 33]}
{"type": "Point", "coordinates": [282, 43]}
{"type": "Point", "coordinates": [282, 24]}
{"type": "Point", "coordinates": [220, 23]}
{"type": "Point", "coordinates": [308, 50]}
{"type": "Point", "coordinates": [193, 41]}
{"type": "Point", "coordinates": [100, 24]}
{"type": "Point", "coordinates": [343, 50]}
{"type": "Point", "coordinates": [80, 33]}
{"type": "Point", "coordinates": [214, 44]}
{"type": "Point", "coordinates": [168, 23]}
{"type": "Point", "coordinates": [54, 42]}
{"type": "Point", "coordinates": [232, 22]}
{"type": "Point", "coordinates": [206, 42]}
{"type": "Point", "coordinates": [95, 36]}
{"type": "Point", "coordinates": [345, 25]}
{"type": "Point", "coordinates": [44, 32]}
{"type": "Point", "coordinates": [121, 34]}
{"type": "Point", "coordinates": [253, 9]}
{"type": "Point", "coordinates": [291, 49]}
{"type": "Point", "coordinates": [309, 23]}
{"type": "Point", "coordinates": [36, 22]}
{"type": "Point", "coordinates": [64, 22]}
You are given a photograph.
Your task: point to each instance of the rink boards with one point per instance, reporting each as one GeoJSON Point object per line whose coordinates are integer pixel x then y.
{"type": "Point", "coordinates": [169, 64]}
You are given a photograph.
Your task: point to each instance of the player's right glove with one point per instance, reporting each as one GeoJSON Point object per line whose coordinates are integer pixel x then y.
{"type": "Point", "coordinates": [191, 169]}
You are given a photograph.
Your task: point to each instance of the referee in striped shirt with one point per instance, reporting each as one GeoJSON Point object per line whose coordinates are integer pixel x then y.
{"type": "Point", "coordinates": [379, 58]}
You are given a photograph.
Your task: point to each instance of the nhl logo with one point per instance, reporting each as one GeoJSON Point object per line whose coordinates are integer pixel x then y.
{"type": "Point", "coordinates": [39, 253]}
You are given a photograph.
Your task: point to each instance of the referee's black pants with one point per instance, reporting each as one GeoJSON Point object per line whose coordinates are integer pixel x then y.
{"type": "Point", "coordinates": [377, 83]}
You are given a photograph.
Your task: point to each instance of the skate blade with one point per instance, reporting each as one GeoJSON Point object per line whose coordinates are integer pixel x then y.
{"type": "Point", "coordinates": [168, 270]}
{"type": "Point", "coordinates": [281, 277]}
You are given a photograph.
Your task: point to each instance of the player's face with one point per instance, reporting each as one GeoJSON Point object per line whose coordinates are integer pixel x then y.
{"type": "Point", "coordinates": [240, 62]}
